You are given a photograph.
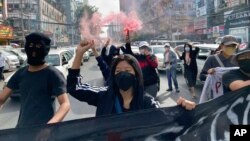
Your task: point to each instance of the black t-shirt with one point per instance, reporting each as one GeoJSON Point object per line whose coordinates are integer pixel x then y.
{"type": "Point", "coordinates": [232, 76]}
{"type": "Point", "coordinates": [37, 90]}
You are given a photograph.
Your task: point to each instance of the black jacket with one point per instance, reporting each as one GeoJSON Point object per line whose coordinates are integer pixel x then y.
{"type": "Point", "coordinates": [104, 97]}
{"type": "Point", "coordinates": [148, 66]}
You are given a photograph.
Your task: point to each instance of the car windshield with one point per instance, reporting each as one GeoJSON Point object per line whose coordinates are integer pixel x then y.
{"type": "Point", "coordinates": [53, 59]}
{"type": "Point", "coordinates": [157, 50]}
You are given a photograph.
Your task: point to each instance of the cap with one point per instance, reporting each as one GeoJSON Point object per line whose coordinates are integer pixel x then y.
{"type": "Point", "coordinates": [167, 45]}
{"type": "Point", "coordinates": [143, 44]}
{"type": "Point", "coordinates": [241, 50]}
{"type": "Point", "coordinates": [229, 40]}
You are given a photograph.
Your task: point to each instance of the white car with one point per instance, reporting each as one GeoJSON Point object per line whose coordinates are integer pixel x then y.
{"type": "Point", "coordinates": [12, 61]}
{"type": "Point", "coordinates": [62, 59]}
{"type": "Point", "coordinates": [158, 51]}
{"type": "Point", "coordinates": [206, 49]}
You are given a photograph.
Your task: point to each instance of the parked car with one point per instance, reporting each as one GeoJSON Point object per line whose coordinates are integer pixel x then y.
{"type": "Point", "coordinates": [206, 49]}
{"type": "Point", "coordinates": [17, 51]}
{"type": "Point", "coordinates": [158, 51]}
{"type": "Point", "coordinates": [12, 61]}
{"type": "Point", "coordinates": [62, 59]}
{"type": "Point", "coordinates": [86, 55]}
{"type": "Point", "coordinates": [135, 49]}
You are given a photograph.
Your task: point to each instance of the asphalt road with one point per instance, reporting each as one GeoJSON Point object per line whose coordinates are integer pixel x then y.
{"type": "Point", "coordinates": [91, 73]}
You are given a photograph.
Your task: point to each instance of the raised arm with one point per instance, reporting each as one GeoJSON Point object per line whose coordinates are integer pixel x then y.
{"type": "Point", "coordinates": [102, 64]}
{"type": "Point", "coordinates": [75, 87]}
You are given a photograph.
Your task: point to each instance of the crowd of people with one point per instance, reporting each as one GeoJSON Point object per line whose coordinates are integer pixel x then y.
{"type": "Point", "coordinates": [131, 79]}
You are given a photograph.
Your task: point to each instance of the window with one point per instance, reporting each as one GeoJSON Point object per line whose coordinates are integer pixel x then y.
{"type": "Point", "coordinates": [16, 6]}
{"type": "Point", "coordinates": [53, 59]}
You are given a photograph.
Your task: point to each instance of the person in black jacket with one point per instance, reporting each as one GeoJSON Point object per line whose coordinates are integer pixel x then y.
{"type": "Point", "coordinates": [148, 63]}
{"type": "Point", "coordinates": [190, 65]}
{"type": "Point", "coordinates": [125, 91]}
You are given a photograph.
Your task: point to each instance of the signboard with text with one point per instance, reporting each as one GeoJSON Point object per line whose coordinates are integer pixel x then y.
{"type": "Point", "coordinates": [6, 32]}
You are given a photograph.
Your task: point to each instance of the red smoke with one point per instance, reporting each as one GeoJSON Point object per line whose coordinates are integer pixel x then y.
{"type": "Point", "coordinates": [129, 22]}
{"type": "Point", "coordinates": [91, 27]}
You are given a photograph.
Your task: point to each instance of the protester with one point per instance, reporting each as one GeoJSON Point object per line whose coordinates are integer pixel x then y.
{"type": "Point", "coordinates": [125, 91]}
{"type": "Point", "coordinates": [223, 59]}
{"type": "Point", "coordinates": [108, 53]}
{"type": "Point", "coordinates": [38, 84]}
{"type": "Point", "coordinates": [170, 63]}
{"type": "Point", "coordinates": [190, 65]}
{"type": "Point", "coordinates": [148, 63]}
{"type": "Point", "coordinates": [2, 64]}
{"type": "Point", "coordinates": [237, 79]}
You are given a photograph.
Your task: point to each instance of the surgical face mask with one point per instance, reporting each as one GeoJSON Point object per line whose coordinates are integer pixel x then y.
{"type": "Point", "coordinates": [229, 50]}
{"type": "Point", "coordinates": [244, 65]}
{"type": "Point", "coordinates": [124, 80]}
{"type": "Point", "coordinates": [187, 49]}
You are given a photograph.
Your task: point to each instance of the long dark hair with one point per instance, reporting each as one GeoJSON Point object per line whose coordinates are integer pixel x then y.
{"type": "Point", "coordinates": [131, 61]}
{"type": "Point", "coordinates": [137, 102]}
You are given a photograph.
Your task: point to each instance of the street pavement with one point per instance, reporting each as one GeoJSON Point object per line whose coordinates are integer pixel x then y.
{"type": "Point", "coordinates": [91, 74]}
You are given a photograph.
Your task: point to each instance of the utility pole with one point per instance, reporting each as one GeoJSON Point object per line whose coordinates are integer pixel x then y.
{"type": "Point", "coordinates": [22, 25]}
{"type": "Point", "coordinates": [72, 28]}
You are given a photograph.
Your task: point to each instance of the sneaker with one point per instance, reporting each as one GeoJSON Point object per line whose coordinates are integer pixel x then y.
{"type": "Point", "coordinates": [169, 90]}
{"type": "Point", "coordinates": [177, 91]}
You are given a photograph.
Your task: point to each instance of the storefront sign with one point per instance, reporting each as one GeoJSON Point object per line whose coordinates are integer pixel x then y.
{"type": "Point", "coordinates": [238, 19]}
{"type": "Point", "coordinates": [6, 32]}
{"type": "Point", "coordinates": [200, 23]}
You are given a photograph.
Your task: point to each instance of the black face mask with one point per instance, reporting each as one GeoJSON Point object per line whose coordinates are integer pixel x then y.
{"type": "Point", "coordinates": [244, 65]}
{"type": "Point", "coordinates": [124, 80]}
{"type": "Point", "coordinates": [36, 53]}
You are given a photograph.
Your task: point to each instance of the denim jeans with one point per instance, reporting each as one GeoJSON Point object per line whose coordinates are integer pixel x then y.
{"type": "Point", "coordinates": [171, 75]}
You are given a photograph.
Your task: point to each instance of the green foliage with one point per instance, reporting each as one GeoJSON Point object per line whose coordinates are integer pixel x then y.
{"type": "Point", "coordinates": [85, 10]}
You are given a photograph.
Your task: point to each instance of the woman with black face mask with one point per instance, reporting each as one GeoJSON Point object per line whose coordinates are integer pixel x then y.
{"type": "Point", "coordinates": [125, 91]}
{"type": "Point", "coordinates": [237, 79]}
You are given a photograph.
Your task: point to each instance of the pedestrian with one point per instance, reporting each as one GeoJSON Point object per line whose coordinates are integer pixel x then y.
{"type": "Point", "coordinates": [170, 63]}
{"type": "Point", "coordinates": [38, 84]}
{"type": "Point", "coordinates": [237, 79]}
{"type": "Point", "coordinates": [223, 59]}
{"type": "Point", "coordinates": [123, 94]}
{"type": "Point", "coordinates": [190, 65]}
{"type": "Point", "coordinates": [2, 64]}
{"type": "Point", "coordinates": [148, 64]}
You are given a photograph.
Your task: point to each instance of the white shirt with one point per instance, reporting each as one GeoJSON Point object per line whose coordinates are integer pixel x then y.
{"type": "Point", "coordinates": [2, 61]}
{"type": "Point", "coordinates": [213, 86]}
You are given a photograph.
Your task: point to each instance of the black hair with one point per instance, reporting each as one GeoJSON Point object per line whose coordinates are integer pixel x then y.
{"type": "Point", "coordinates": [131, 61]}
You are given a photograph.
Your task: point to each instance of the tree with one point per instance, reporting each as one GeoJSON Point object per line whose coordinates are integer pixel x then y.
{"type": "Point", "coordinates": [85, 10]}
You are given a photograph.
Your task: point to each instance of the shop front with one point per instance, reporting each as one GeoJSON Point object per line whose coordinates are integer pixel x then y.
{"type": "Point", "coordinates": [238, 24]}
{"type": "Point", "coordinates": [6, 34]}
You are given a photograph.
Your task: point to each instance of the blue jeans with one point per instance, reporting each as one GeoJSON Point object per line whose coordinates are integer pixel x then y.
{"type": "Point", "coordinates": [171, 75]}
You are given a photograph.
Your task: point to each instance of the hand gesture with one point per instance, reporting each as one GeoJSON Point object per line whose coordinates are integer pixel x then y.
{"type": "Point", "coordinates": [188, 105]}
{"type": "Point", "coordinates": [85, 46]}
{"type": "Point", "coordinates": [211, 71]}
{"type": "Point", "coordinates": [107, 42]}
{"type": "Point", "coordinates": [127, 37]}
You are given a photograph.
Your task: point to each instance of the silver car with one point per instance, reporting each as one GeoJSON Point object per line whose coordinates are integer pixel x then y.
{"type": "Point", "coordinates": [12, 61]}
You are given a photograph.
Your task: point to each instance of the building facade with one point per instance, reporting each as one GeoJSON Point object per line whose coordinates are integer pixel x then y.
{"type": "Point", "coordinates": [221, 17]}
{"type": "Point", "coordinates": [163, 18]}
{"type": "Point", "coordinates": [44, 16]}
